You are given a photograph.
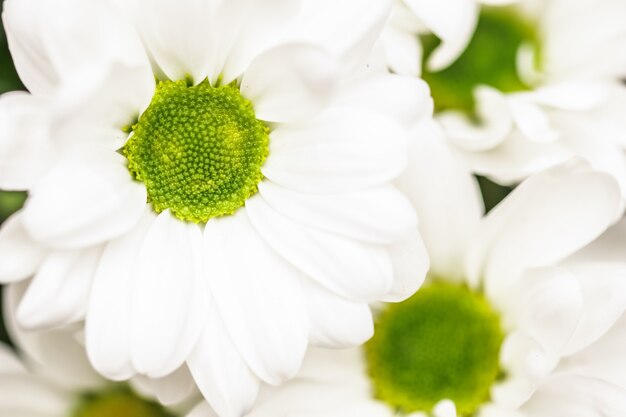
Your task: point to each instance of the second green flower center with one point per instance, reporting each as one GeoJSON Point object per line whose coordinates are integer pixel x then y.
{"type": "Point", "coordinates": [198, 150]}
{"type": "Point", "coordinates": [117, 402]}
{"type": "Point", "coordinates": [442, 343]}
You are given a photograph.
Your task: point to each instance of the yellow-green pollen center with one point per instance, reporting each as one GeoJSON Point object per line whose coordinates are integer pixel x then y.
{"type": "Point", "coordinates": [198, 150]}
{"type": "Point", "coordinates": [489, 59]}
{"type": "Point", "coordinates": [442, 343]}
{"type": "Point", "coordinates": [118, 401]}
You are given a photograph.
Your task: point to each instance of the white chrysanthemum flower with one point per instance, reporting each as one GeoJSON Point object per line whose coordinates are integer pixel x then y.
{"type": "Point", "coordinates": [227, 215]}
{"type": "Point", "coordinates": [531, 89]}
{"type": "Point", "coordinates": [52, 377]}
{"type": "Point", "coordinates": [524, 314]}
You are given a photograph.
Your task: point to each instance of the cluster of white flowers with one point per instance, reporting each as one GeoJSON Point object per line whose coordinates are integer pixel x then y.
{"type": "Point", "coordinates": [270, 208]}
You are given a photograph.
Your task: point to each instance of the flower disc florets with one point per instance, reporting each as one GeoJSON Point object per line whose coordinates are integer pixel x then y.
{"type": "Point", "coordinates": [443, 343]}
{"type": "Point", "coordinates": [198, 149]}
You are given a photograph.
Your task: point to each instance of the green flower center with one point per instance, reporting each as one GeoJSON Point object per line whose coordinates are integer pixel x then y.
{"type": "Point", "coordinates": [490, 59]}
{"type": "Point", "coordinates": [119, 401]}
{"type": "Point", "coordinates": [442, 343]}
{"type": "Point", "coordinates": [198, 150]}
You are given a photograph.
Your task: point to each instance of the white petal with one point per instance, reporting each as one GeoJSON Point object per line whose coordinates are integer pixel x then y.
{"type": "Point", "coordinates": [107, 326]}
{"type": "Point", "coordinates": [574, 96]}
{"type": "Point", "coordinates": [516, 158]}
{"type": "Point", "coordinates": [404, 99]}
{"type": "Point", "coordinates": [178, 38]}
{"type": "Point", "coordinates": [603, 286]}
{"type": "Point", "coordinates": [170, 390]}
{"type": "Point", "coordinates": [21, 256]}
{"type": "Point", "coordinates": [59, 292]}
{"type": "Point", "coordinates": [576, 396]}
{"type": "Point", "coordinates": [170, 298]}
{"type": "Point", "coordinates": [602, 360]}
{"type": "Point", "coordinates": [610, 247]}
{"type": "Point", "coordinates": [258, 296]}
{"type": "Point", "coordinates": [17, 394]}
{"type": "Point", "coordinates": [550, 303]}
{"type": "Point", "coordinates": [410, 262]}
{"type": "Point", "coordinates": [444, 408]}
{"type": "Point", "coordinates": [377, 215]}
{"type": "Point", "coordinates": [496, 411]}
{"type": "Point", "coordinates": [525, 360]}
{"type": "Point", "coordinates": [334, 321]}
{"type": "Point", "coordinates": [355, 270]}
{"type": "Point", "coordinates": [244, 29]}
{"type": "Point", "coordinates": [87, 199]}
{"type": "Point", "coordinates": [541, 222]}
{"type": "Point", "coordinates": [220, 372]}
{"type": "Point", "coordinates": [55, 355]}
{"type": "Point", "coordinates": [403, 51]}
{"type": "Point", "coordinates": [598, 53]}
{"type": "Point", "coordinates": [25, 149]}
{"type": "Point", "coordinates": [44, 41]}
{"type": "Point", "coordinates": [532, 121]}
{"type": "Point", "coordinates": [342, 149]}
{"type": "Point", "coordinates": [289, 83]}
{"type": "Point", "coordinates": [446, 197]}
{"type": "Point", "coordinates": [495, 125]}
{"type": "Point", "coordinates": [324, 22]}
{"type": "Point", "coordinates": [202, 410]}
{"type": "Point", "coordinates": [453, 21]}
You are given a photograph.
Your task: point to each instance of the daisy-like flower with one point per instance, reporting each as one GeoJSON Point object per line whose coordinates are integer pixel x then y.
{"type": "Point", "coordinates": [223, 217]}
{"type": "Point", "coordinates": [531, 88]}
{"type": "Point", "coordinates": [522, 315]}
{"type": "Point", "coordinates": [52, 377]}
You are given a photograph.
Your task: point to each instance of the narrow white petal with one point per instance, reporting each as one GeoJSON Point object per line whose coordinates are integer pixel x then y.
{"type": "Point", "coordinates": [172, 389]}
{"type": "Point", "coordinates": [334, 321]}
{"type": "Point", "coordinates": [453, 21]}
{"type": "Point", "coordinates": [377, 215]}
{"type": "Point", "coordinates": [178, 38]}
{"type": "Point", "coordinates": [26, 151]}
{"type": "Point", "coordinates": [289, 83]}
{"type": "Point", "coordinates": [550, 303]}
{"type": "Point", "coordinates": [17, 394]}
{"type": "Point", "coordinates": [543, 221]}
{"type": "Point", "coordinates": [88, 198]}
{"type": "Point", "coordinates": [603, 286]}
{"type": "Point", "coordinates": [244, 29]}
{"type": "Point", "coordinates": [220, 372]}
{"type": "Point", "coordinates": [324, 22]}
{"type": "Point", "coordinates": [403, 51]}
{"type": "Point", "coordinates": [404, 99]}
{"type": "Point", "coordinates": [21, 256]}
{"type": "Point", "coordinates": [496, 122]}
{"type": "Point", "coordinates": [410, 263]}
{"type": "Point", "coordinates": [107, 325]}
{"type": "Point", "coordinates": [258, 296]}
{"type": "Point", "coordinates": [532, 121]}
{"type": "Point", "coordinates": [170, 298]}
{"type": "Point", "coordinates": [446, 197]}
{"type": "Point", "coordinates": [55, 355]}
{"type": "Point", "coordinates": [43, 41]}
{"type": "Point", "coordinates": [59, 292]}
{"type": "Point", "coordinates": [444, 408]}
{"type": "Point", "coordinates": [342, 149]}
{"type": "Point", "coordinates": [355, 270]}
